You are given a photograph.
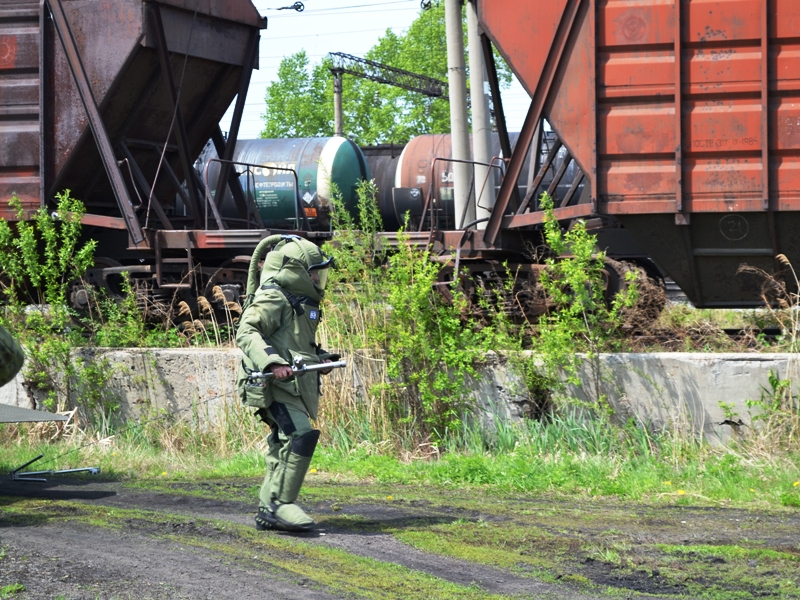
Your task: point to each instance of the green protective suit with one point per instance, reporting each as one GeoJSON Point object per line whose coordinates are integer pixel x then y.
{"type": "Point", "coordinates": [278, 325]}
{"type": "Point", "coordinates": [11, 357]}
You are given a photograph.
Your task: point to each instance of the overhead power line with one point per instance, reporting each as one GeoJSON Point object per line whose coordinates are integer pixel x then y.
{"type": "Point", "coordinates": [375, 71]}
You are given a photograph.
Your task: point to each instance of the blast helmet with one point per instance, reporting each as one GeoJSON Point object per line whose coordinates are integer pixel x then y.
{"type": "Point", "coordinates": [316, 263]}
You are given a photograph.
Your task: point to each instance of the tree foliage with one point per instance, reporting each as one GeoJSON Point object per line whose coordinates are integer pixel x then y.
{"type": "Point", "coordinates": [300, 101]}
{"type": "Point", "coordinates": [297, 101]}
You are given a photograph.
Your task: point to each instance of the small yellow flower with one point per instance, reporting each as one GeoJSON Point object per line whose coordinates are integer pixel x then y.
{"type": "Point", "coordinates": [667, 483]}
{"type": "Point", "coordinates": [113, 454]}
{"type": "Point", "coordinates": [796, 483]}
{"type": "Point", "coordinates": [752, 490]}
{"type": "Point", "coordinates": [313, 471]}
{"type": "Point", "coordinates": [388, 497]}
{"type": "Point", "coordinates": [681, 492]}
{"type": "Point", "coordinates": [163, 474]}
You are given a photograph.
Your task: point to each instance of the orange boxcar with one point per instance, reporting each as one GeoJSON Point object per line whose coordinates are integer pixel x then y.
{"type": "Point", "coordinates": [684, 116]}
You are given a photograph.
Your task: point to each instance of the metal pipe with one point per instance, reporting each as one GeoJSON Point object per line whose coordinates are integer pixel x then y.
{"type": "Point", "coordinates": [459, 127]}
{"type": "Point", "coordinates": [481, 123]}
{"type": "Point", "coordinates": [338, 116]}
{"type": "Point", "coordinates": [429, 199]}
{"type": "Point", "coordinates": [299, 368]}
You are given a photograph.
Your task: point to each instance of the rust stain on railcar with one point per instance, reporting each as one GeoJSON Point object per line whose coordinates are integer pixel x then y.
{"type": "Point", "coordinates": [8, 51]}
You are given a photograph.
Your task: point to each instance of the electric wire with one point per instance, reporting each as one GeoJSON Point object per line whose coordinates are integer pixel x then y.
{"type": "Point", "coordinates": [339, 8]}
{"type": "Point", "coordinates": [337, 11]}
{"type": "Point", "coordinates": [292, 37]}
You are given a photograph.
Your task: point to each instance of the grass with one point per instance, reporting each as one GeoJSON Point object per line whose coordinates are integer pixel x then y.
{"type": "Point", "coordinates": [569, 457]}
{"type": "Point", "coordinates": [8, 591]}
{"type": "Point", "coordinates": [333, 568]}
{"type": "Point", "coordinates": [717, 540]}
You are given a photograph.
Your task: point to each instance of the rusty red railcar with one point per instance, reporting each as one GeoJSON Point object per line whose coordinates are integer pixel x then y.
{"type": "Point", "coordinates": [684, 117]}
{"type": "Point", "coordinates": [114, 100]}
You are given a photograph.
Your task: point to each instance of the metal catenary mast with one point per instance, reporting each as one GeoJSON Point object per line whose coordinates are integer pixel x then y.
{"type": "Point", "coordinates": [375, 71]}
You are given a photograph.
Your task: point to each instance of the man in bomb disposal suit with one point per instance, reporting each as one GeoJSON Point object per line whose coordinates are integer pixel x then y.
{"type": "Point", "coordinates": [11, 357]}
{"type": "Point", "coordinates": [276, 330]}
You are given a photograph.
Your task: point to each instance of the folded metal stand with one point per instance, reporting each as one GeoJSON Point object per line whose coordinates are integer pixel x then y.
{"type": "Point", "coordinates": [18, 475]}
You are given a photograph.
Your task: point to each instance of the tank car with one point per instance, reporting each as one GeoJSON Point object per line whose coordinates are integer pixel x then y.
{"type": "Point", "coordinates": [407, 175]}
{"type": "Point", "coordinates": [284, 176]}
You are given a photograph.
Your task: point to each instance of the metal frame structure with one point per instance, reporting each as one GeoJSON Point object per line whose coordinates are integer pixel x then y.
{"type": "Point", "coordinates": [117, 157]}
{"type": "Point", "coordinates": [380, 73]}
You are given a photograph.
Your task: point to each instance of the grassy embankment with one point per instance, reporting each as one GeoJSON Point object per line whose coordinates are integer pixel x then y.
{"type": "Point", "coordinates": [406, 419]}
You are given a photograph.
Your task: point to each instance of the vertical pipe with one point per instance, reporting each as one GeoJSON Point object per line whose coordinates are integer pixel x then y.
{"type": "Point", "coordinates": [338, 116]}
{"type": "Point", "coordinates": [678, 32]}
{"type": "Point", "coordinates": [459, 127]}
{"type": "Point", "coordinates": [481, 123]}
{"type": "Point", "coordinates": [765, 104]}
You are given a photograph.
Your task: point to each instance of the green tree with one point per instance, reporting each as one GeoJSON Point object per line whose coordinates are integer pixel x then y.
{"type": "Point", "coordinates": [300, 102]}
{"type": "Point", "coordinates": [297, 101]}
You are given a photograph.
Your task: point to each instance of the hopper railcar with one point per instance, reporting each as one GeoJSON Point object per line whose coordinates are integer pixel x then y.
{"type": "Point", "coordinates": [683, 116]}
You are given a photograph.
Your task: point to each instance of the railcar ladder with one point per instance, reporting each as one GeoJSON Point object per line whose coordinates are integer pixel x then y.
{"type": "Point", "coordinates": [185, 283]}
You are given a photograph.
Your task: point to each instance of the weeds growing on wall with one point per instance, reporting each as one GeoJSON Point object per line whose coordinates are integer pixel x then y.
{"type": "Point", "coordinates": [39, 258]}
{"type": "Point", "coordinates": [430, 343]}
{"type": "Point", "coordinates": [582, 322]}
{"type": "Point", "coordinates": [42, 261]}
{"type": "Point", "coordinates": [387, 303]}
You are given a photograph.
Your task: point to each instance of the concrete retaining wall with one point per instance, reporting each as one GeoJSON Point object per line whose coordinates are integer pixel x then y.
{"type": "Point", "coordinates": [673, 390]}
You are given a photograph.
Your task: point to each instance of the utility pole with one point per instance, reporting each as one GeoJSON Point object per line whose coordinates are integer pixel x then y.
{"type": "Point", "coordinates": [459, 127]}
{"type": "Point", "coordinates": [338, 117]}
{"type": "Point", "coordinates": [481, 121]}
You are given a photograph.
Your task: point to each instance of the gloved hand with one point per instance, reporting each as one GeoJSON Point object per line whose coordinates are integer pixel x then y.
{"type": "Point", "coordinates": [281, 371]}
{"type": "Point", "coordinates": [326, 371]}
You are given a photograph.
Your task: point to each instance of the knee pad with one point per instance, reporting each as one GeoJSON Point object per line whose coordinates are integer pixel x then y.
{"type": "Point", "coordinates": [305, 444]}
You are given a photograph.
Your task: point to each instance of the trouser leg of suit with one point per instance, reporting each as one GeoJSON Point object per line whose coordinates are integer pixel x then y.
{"type": "Point", "coordinates": [291, 448]}
{"type": "Point", "coordinates": [272, 458]}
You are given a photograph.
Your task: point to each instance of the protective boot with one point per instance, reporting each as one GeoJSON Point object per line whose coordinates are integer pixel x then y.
{"type": "Point", "coordinates": [265, 520]}
{"type": "Point", "coordinates": [287, 479]}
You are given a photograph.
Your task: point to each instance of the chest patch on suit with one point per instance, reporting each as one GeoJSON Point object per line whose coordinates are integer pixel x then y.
{"type": "Point", "coordinates": [313, 315]}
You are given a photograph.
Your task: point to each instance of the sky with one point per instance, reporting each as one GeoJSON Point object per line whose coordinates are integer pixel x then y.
{"type": "Point", "coordinates": [350, 26]}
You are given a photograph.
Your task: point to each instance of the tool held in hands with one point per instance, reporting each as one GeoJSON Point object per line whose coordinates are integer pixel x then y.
{"type": "Point", "coordinates": [299, 368]}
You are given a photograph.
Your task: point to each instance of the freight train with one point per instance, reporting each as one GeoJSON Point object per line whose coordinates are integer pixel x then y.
{"type": "Point", "coordinates": [672, 131]}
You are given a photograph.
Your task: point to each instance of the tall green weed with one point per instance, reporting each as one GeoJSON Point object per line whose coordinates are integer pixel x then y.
{"type": "Point", "coordinates": [39, 257]}
{"type": "Point", "coordinates": [583, 322]}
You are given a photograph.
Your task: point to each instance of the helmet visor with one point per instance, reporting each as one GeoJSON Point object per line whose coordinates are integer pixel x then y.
{"type": "Point", "coordinates": [319, 272]}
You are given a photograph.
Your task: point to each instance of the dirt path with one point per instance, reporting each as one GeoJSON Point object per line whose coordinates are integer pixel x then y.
{"type": "Point", "coordinates": [105, 540]}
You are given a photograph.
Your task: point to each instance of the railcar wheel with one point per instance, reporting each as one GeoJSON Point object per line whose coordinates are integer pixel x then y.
{"type": "Point", "coordinates": [80, 292]}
